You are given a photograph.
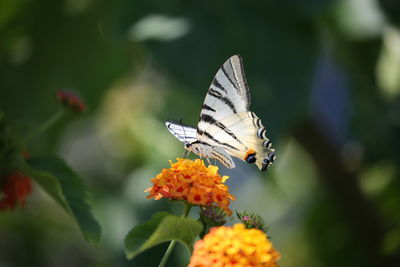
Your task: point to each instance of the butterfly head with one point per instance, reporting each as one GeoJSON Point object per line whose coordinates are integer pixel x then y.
{"type": "Point", "coordinates": [194, 147]}
{"type": "Point", "coordinates": [188, 146]}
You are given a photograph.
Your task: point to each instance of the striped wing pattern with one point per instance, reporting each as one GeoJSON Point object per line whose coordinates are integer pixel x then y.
{"type": "Point", "coordinates": [185, 134]}
{"type": "Point", "coordinates": [227, 97]}
{"type": "Point", "coordinates": [226, 126]}
{"type": "Point", "coordinates": [228, 93]}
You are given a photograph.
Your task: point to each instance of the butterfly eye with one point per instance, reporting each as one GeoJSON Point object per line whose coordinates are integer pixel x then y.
{"type": "Point", "coordinates": [251, 158]}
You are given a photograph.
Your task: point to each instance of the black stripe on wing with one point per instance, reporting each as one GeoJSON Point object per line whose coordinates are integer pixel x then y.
{"type": "Point", "coordinates": [209, 136]}
{"type": "Point", "coordinates": [245, 91]}
{"type": "Point", "coordinates": [256, 121]}
{"type": "Point", "coordinates": [216, 83]}
{"type": "Point", "coordinates": [223, 99]}
{"type": "Point", "coordinates": [210, 119]}
{"type": "Point", "coordinates": [207, 107]}
{"type": "Point", "coordinates": [185, 134]}
{"type": "Point", "coordinates": [234, 84]}
{"type": "Point", "coordinates": [224, 160]}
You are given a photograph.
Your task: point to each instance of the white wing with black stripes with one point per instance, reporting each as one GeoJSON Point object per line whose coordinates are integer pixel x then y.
{"type": "Point", "coordinates": [226, 126]}
{"type": "Point", "coordinates": [228, 93]}
{"type": "Point", "coordinates": [188, 136]}
{"type": "Point", "coordinates": [185, 134]}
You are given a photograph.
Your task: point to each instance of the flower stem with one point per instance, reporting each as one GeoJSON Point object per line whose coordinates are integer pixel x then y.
{"type": "Point", "coordinates": [171, 246]}
{"type": "Point", "coordinates": [47, 124]}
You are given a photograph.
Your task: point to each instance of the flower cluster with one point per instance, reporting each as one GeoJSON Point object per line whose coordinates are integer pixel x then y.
{"type": "Point", "coordinates": [234, 246]}
{"type": "Point", "coordinates": [71, 100]}
{"type": "Point", "coordinates": [193, 182]}
{"type": "Point", "coordinates": [14, 189]}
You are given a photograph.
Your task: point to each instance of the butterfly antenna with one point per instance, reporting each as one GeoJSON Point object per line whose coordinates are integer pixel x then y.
{"type": "Point", "coordinates": [186, 152]}
{"type": "Point", "coordinates": [183, 128]}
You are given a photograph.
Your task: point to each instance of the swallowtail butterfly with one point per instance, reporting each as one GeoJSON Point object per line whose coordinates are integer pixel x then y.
{"type": "Point", "coordinates": [226, 126]}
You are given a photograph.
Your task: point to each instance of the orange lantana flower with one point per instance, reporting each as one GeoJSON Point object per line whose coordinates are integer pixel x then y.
{"type": "Point", "coordinates": [234, 246]}
{"type": "Point", "coordinates": [192, 181]}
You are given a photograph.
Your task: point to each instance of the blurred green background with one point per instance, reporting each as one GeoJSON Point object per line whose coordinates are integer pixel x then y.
{"type": "Point", "coordinates": [324, 77]}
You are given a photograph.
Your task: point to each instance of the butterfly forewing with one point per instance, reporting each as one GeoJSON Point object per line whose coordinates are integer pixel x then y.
{"type": "Point", "coordinates": [227, 96]}
{"type": "Point", "coordinates": [228, 93]}
{"type": "Point", "coordinates": [185, 134]}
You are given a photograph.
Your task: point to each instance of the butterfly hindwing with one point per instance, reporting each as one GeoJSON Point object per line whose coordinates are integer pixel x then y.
{"type": "Point", "coordinates": [222, 156]}
{"type": "Point", "coordinates": [250, 131]}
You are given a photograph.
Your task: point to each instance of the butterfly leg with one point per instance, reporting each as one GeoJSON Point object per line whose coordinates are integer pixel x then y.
{"type": "Point", "coordinates": [186, 153]}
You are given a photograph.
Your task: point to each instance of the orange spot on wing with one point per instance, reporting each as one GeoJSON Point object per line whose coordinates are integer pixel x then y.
{"type": "Point", "coordinates": [248, 153]}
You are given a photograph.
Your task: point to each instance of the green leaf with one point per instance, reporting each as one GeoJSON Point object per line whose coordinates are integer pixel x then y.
{"type": "Point", "coordinates": [52, 186]}
{"type": "Point", "coordinates": [68, 190]}
{"type": "Point", "coordinates": [162, 227]}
